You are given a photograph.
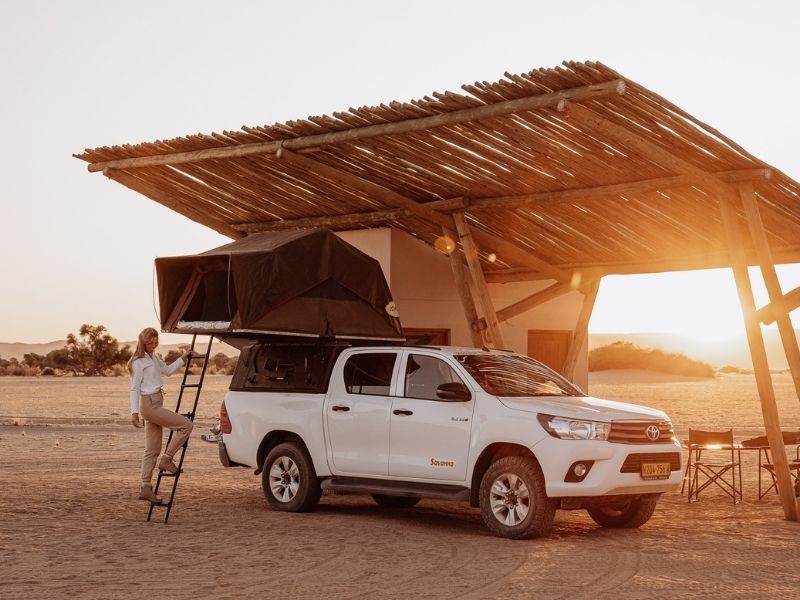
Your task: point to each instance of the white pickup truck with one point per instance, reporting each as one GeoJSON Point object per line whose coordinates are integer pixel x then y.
{"type": "Point", "coordinates": [493, 428]}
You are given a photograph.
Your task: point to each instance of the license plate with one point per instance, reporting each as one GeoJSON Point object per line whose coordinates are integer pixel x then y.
{"type": "Point", "coordinates": [655, 470]}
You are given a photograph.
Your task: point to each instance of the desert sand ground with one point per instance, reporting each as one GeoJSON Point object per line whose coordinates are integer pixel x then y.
{"type": "Point", "coordinates": [71, 527]}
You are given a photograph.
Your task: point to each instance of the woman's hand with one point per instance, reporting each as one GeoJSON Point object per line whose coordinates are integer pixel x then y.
{"type": "Point", "coordinates": [135, 420]}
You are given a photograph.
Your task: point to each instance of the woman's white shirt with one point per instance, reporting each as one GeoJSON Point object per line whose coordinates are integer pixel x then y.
{"type": "Point", "coordinates": [146, 378]}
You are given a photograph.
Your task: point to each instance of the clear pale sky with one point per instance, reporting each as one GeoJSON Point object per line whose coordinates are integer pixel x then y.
{"type": "Point", "coordinates": [76, 248]}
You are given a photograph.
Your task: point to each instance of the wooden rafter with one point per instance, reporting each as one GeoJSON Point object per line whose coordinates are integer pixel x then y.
{"type": "Point", "coordinates": [358, 133]}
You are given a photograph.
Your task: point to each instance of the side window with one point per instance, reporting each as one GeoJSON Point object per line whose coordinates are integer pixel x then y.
{"type": "Point", "coordinates": [369, 373]}
{"type": "Point", "coordinates": [426, 373]}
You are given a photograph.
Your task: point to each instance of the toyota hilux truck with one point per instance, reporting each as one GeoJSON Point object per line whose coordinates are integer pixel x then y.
{"type": "Point", "coordinates": [496, 429]}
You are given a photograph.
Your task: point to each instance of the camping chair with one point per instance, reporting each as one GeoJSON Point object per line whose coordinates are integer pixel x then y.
{"type": "Point", "coordinates": [789, 438]}
{"type": "Point", "coordinates": [713, 460]}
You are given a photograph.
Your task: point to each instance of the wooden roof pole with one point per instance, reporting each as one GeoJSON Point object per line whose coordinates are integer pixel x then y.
{"type": "Point", "coordinates": [486, 240]}
{"type": "Point", "coordinates": [755, 339]}
{"type": "Point", "coordinates": [581, 331]}
{"type": "Point", "coordinates": [758, 352]}
{"type": "Point", "coordinates": [550, 99]}
{"type": "Point", "coordinates": [158, 195]}
{"type": "Point", "coordinates": [467, 302]}
{"type": "Point", "coordinates": [484, 299]}
{"type": "Point", "coordinates": [779, 310]}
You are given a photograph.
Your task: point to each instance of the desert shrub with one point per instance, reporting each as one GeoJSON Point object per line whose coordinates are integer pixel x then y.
{"type": "Point", "coordinates": [48, 371]}
{"type": "Point", "coordinates": [624, 355]}
{"type": "Point", "coordinates": [730, 369]}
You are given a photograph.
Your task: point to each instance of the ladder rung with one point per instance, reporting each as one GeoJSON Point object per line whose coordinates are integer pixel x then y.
{"type": "Point", "coordinates": [190, 385]}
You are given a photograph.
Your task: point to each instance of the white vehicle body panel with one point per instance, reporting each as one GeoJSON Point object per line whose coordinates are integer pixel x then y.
{"type": "Point", "coordinates": [440, 441]}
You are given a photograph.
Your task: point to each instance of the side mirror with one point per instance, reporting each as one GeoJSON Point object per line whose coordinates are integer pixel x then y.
{"type": "Point", "coordinates": [454, 392]}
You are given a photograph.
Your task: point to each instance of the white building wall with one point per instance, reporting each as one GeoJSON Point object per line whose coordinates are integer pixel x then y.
{"type": "Point", "coordinates": [422, 286]}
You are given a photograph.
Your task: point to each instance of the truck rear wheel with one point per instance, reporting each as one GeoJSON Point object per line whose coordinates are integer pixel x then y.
{"type": "Point", "coordinates": [513, 500]}
{"type": "Point", "coordinates": [395, 501]}
{"type": "Point", "coordinates": [631, 514]}
{"type": "Point", "coordinates": [289, 480]}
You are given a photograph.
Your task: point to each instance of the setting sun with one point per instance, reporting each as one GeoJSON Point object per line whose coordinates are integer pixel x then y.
{"type": "Point", "coordinates": [701, 305]}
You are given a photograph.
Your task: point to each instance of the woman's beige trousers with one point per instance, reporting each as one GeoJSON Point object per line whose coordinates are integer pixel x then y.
{"type": "Point", "coordinates": [156, 418]}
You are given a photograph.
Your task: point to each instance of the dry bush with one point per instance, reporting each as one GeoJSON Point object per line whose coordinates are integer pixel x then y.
{"type": "Point", "coordinates": [624, 355]}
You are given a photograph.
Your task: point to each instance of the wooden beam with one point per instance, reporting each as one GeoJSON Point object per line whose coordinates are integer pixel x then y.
{"type": "Point", "coordinates": [609, 191]}
{"type": "Point", "coordinates": [779, 310]}
{"type": "Point", "coordinates": [758, 352]}
{"type": "Point", "coordinates": [159, 195]}
{"type": "Point", "coordinates": [791, 301]}
{"type": "Point", "coordinates": [466, 297]}
{"type": "Point", "coordinates": [499, 202]}
{"type": "Point", "coordinates": [350, 220]}
{"type": "Point", "coordinates": [540, 297]}
{"type": "Point", "coordinates": [547, 100]}
{"type": "Point", "coordinates": [484, 298]}
{"type": "Point", "coordinates": [581, 331]}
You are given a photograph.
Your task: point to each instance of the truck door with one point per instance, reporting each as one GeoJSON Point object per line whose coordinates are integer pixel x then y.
{"type": "Point", "coordinates": [357, 413]}
{"type": "Point", "coordinates": [429, 434]}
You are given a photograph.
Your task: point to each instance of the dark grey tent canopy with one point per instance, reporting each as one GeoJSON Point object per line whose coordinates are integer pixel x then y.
{"type": "Point", "coordinates": [306, 282]}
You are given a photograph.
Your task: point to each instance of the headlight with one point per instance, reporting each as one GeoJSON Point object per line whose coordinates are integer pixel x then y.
{"type": "Point", "coordinates": [574, 429]}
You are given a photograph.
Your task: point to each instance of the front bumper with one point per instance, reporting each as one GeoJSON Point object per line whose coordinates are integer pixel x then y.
{"type": "Point", "coordinates": [556, 456]}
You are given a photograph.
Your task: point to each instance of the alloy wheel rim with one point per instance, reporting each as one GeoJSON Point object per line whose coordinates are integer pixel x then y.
{"type": "Point", "coordinates": [510, 499]}
{"type": "Point", "coordinates": [284, 479]}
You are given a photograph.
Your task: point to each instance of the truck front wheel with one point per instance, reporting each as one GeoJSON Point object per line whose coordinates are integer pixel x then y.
{"type": "Point", "coordinates": [289, 480]}
{"type": "Point", "coordinates": [513, 501]}
{"type": "Point", "coordinates": [630, 514]}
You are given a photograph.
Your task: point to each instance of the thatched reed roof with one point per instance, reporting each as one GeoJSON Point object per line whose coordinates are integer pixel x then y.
{"type": "Point", "coordinates": [556, 170]}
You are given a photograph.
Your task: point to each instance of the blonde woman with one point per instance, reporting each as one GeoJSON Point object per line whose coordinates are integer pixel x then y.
{"type": "Point", "coordinates": [147, 400]}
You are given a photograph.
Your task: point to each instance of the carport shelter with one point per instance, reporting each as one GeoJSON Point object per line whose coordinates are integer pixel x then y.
{"type": "Point", "coordinates": [564, 174]}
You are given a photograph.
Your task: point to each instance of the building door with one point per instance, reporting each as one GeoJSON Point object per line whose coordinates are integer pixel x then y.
{"type": "Point", "coordinates": [549, 347]}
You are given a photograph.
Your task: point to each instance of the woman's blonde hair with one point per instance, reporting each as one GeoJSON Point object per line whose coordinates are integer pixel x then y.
{"type": "Point", "coordinates": [145, 336]}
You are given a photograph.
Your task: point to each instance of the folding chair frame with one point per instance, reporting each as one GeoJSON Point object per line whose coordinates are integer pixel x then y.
{"type": "Point", "coordinates": [713, 471]}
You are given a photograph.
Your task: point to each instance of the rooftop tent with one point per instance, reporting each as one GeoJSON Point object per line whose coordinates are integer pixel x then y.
{"type": "Point", "coordinates": [306, 282]}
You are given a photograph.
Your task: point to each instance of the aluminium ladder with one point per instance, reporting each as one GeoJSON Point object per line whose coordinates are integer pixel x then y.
{"type": "Point", "coordinates": [190, 415]}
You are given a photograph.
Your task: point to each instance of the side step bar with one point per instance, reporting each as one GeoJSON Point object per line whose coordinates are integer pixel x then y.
{"type": "Point", "coordinates": [410, 489]}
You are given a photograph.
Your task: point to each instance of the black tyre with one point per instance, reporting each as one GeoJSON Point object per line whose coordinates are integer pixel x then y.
{"type": "Point", "coordinates": [395, 501]}
{"type": "Point", "coordinates": [631, 514]}
{"type": "Point", "coordinates": [289, 480]}
{"type": "Point", "coordinates": [513, 501]}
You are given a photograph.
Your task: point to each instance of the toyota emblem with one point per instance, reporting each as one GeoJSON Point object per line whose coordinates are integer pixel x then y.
{"type": "Point", "coordinates": [652, 432]}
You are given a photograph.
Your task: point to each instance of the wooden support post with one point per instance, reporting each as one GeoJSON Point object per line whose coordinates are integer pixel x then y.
{"type": "Point", "coordinates": [463, 292]}
{"type": "Point", "coordinates": [758, 352]}
{"type": "Point", "coordinates": [581, 329]}
{"type": "Point", "coordinates": [479, 283]}
{"type": "Point", "coordinates": [791, 300]}
{"type": "Point", "coordinates": [779, 310]}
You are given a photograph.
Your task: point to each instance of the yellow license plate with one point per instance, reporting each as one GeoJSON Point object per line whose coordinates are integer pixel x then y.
{"type": "Point", "coordinates": [655, 470]}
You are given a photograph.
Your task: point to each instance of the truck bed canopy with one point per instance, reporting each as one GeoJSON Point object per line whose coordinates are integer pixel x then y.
{"type": "Point", "coordinates": [307, 282]}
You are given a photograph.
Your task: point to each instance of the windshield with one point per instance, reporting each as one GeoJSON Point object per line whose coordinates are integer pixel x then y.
{"type": "Point", "coordinates": [515, 375]}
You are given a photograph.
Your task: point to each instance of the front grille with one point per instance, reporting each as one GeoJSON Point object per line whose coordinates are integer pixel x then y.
{"type": "Point", "coordinates": [633, 463]}
{"type": "Point", "coordinates": [635, 432]}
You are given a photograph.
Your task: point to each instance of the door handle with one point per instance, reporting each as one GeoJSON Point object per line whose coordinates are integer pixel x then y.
{"type": "Point", "coordinates": [340, 408]}
{"type": "Point", "coordinates": [403, 411]}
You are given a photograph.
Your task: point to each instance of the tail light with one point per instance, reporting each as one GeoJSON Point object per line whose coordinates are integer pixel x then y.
{"type": "Point", "coordinates": [224, 421]}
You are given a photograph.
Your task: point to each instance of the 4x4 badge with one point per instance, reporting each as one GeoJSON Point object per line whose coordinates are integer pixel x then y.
{"type": "Point", "coordinates": [652, 432]}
